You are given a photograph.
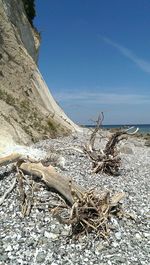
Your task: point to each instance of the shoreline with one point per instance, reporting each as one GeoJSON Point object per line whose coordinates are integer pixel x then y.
{"type": "Point", "coordinates": [143, 128]}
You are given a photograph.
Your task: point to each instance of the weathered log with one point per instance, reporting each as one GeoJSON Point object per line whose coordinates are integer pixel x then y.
{"type": "Point", "coordinates": [63, 185]}
{"type": "Point", "coordinates": [14, 157]}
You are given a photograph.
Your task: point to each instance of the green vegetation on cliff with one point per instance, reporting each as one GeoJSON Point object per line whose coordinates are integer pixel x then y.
{"type": "Point", "coordinates": [29, 6]}
{"type": "Point", "coordinates": [31, 120]}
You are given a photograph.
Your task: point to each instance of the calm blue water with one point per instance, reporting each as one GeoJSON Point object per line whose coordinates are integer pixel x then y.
{"type": "Point", "coordinates": [143, 128]}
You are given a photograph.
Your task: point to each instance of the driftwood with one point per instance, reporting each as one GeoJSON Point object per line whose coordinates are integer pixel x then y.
{"type": "Point", "coordinates": [2, 198]}
{"type": "Point", "coordinates": [52, 179]}
{"type": "Point", "coordinates": [9, 159]}
{"type": "Point", "coordinates": [89, 211]}
{"type": "Point", "coordinates": [48, 175]}
{"type": "Point", "coordinates": [106, 160]}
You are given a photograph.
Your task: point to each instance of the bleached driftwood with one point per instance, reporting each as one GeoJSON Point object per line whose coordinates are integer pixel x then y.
{"type": "Point", "coordinates": [14, 157]}
{"type": "Point", "coordinates": [48, 175]}
{"type": "Point", "coordinates": [49, 157]}
{"type": "Point", "coordinates": [53, 179]}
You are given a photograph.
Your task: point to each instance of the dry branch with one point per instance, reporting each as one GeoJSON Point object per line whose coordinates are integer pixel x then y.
{"type": "Point", "coordinates": [93, 135]}
{"type": "Point", "coordinates": [26, 197]}
{"type": "Point", "coordinates": [2, 198]}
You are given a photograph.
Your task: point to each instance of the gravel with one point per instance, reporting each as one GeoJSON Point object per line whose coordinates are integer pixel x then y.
{"type": "Point", "coordinates": [41, 239]}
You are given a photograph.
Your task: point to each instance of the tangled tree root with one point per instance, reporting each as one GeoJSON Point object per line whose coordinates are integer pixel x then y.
{"type": "Point", "coordinates": [91, 212]}
{"type": "Point", "coordinates": [106, 160]}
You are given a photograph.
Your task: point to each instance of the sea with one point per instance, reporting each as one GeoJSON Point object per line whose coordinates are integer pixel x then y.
{"type": "Point", "coordinates": [143, 128]}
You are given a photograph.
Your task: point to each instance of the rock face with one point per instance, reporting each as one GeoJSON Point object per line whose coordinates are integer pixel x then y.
{"type": "Point", "coordinates": [28, 111]}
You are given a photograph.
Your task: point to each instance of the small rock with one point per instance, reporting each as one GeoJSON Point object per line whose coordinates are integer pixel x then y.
{"type": "Point", "coordinates": [109, 262]}
{"type": "Point", "coordinates": [40, 257]}
{"type": "Point", "coordinates": [3, 257]}
{"type": "Point", "coordinates": [16, 247]}
{"type": "Point", "coordinates": [98, 249]}
{"type": "Point", "coordinates": [115, 244]}
{"type": "Point", "coordinates": [8, 248]}
{"type": "Point", "coordinates": [47, 218]}
{"type": "Point", "coordinates": [30, 242]}
{"type": "Point", "coordinates": [126, 150]}
{"type": "Point", "coordinates": [138, 236]}
{"type": "Point", "coordinates": [121, 260]}
{"type": "Point", "coordinates": [50, 235]}
{"type": "Point", "coordinates": [64, 232]}
{"type": "Point", "coordinates": [146, 234]}
{"type": "Point", "coordinates": [118, 235]}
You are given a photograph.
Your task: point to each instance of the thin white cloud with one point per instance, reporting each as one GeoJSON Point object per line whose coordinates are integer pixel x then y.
{"type": "Point", "coordinates": [142, 64]}
{"type": "Point", "coordinates": [84, 97]}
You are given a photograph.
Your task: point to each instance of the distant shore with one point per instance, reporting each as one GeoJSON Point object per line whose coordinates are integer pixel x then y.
{"type": "Point", "coordinates": [143, 128]}
{"type": "Point", "coordinates": [143, 133]}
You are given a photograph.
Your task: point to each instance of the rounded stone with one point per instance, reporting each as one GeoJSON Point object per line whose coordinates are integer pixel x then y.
{"type": "Point", "coordinates": [40, 257]}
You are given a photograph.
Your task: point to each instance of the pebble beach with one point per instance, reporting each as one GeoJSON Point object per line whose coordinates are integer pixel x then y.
{"type": "Point", "coordinates": [40, 239]}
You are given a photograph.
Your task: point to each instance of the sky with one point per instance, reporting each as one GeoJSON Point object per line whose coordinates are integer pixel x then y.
{"type": "Point", "coordinates": [95, 56]}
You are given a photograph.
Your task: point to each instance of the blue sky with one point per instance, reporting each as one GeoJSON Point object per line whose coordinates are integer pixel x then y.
{"type": "Point", "coordinates": [95, 56]}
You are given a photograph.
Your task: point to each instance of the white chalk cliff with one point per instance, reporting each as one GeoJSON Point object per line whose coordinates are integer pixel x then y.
{"type": "Point", "coordinates": [28, 112]}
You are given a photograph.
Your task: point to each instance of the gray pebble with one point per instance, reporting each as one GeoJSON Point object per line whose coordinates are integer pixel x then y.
{"type": "Point", "coordinates": [40, 257]}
